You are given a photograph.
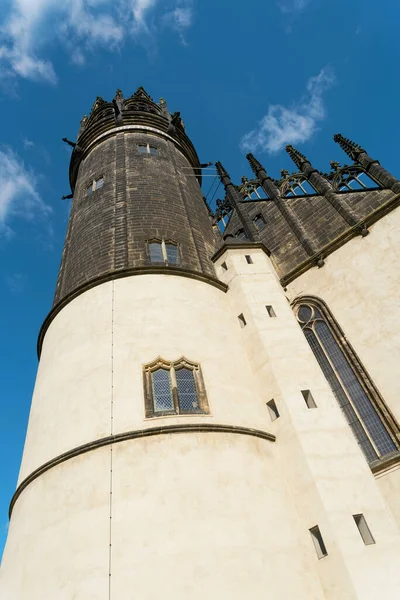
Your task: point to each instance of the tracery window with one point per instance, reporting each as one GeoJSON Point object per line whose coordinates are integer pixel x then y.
{"type": "Point", "coordinates": [174, 388]}
{"type": "Point", "coordinates": [352, 178]}
{"type": "Point", "coordinates": [297, 186]}
{"type": "Point", "coordinates": [373, 426]}
{"type": "Point", "coordinates": [252, 190]}
{"type": "Point", "coordinates": [163, 251]}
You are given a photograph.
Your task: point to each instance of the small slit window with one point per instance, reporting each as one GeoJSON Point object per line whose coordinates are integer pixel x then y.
{"type": "Point", "coordinates": [249, 260]}
{"type": "Point", "coordinates": [95, 185]}
{"type": "Point", "coordinates": [270, 311]}
{"type": "Point", "coordinates": [224, 267]}
{"type": "Point", "coordinates": [364, 530]}
{"type": "Point", "coordinates": [147, 149]}
{"type": "Point", "coordinates": [162, 252]}
{"type": "Point", "coordinates": [241, 234]}
{"type": "Point", "coordinates": [242, 320]}
{"type": "Point", "coordinates": [273, 410]}
{"type": "Point", "coordinates": [308, 399]}
{"type": "Point", "coordinates": [259, 222]}
{"type": "Point", "coordinates": [174, 388]}
{"type": "Point", "coordinates": [318, 542]}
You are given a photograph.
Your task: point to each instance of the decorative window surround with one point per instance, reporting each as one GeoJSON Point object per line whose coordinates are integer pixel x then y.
{"type": "Point", "coordinates": [174, 388]}
{"type": "Point", "coordinates": [370, 420]}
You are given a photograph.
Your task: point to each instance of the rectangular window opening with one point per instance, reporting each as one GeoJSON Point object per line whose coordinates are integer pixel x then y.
{"type": "Point", "coordinates": [242, 320]}
{"type": "Point", "coordinates": [273, 410]}
{"type": "Point", "coordinates": [249, 260]}
{"type": "Point", "coordinates": [308, 398]}
{"type": "Point", "coordinates": [142, 148]}
{"type": "Point", "coordinates": [363, 528]}
{"type": "Point", "coordinates": [270, 311]}
{"type": "Point", "coordinates": [153, 150]}
{"type": "Point", "coordinates": [90, 190]}
{"type": "Point", "coordinates": [224, 267]}
{"type": "Point", "coordinates": [319, 545]}
{"type": "Point", "coordinates": [99, 183]}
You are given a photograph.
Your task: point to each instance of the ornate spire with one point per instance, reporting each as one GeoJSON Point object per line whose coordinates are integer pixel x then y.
{"type": "Point", "coordinates": [353, 150]}
{"type": "Point", "coordinates": [254, 163]}
{"type": "Point", "coordinates": [297, 157]}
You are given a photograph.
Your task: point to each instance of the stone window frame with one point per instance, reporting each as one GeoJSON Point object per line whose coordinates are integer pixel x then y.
{"type": "Point", "coordinates": [164, 242]}
{"type": "Point", "coordinates": [172, 366]}
{"type": "Point", "coordinates": [92, 187]}
{"type": "Point", "coordinates": [386, 417]}
{"type": "Point", "coordinates": [149, 148]}
{"type": "Point", "coordinates": [294, 182]}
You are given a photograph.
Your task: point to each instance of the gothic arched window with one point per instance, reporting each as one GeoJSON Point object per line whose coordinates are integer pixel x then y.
{"type": "Point", "coordinates": [373, 426]}
{"type": "Point", "coordinates": [174, 388]}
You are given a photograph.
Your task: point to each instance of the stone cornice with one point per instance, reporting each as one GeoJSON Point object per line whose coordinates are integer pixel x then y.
{"type": "Point", "coordinates": [132, 435]}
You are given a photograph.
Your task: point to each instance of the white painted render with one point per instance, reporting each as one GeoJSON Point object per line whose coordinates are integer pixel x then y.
{"type": "Point", "coordinates": [196, 514]}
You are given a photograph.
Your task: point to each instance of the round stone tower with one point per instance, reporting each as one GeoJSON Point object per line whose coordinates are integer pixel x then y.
{"type": "Point", "coordinates": [150, 467]}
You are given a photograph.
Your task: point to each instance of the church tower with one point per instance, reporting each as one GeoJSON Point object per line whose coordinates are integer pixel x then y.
{"type": "Point", "coordinates": [185, 440]}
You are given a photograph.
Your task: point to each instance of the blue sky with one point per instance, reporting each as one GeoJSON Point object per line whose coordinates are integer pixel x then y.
{"type": "Point", "coordinates": [252, 75]}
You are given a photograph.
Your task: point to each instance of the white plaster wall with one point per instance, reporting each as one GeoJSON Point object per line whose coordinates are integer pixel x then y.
{"type": "Point", "coordinates": [95, 348]}
{"type": "Point", "coordinates": [326, 472]}
{"type": "Point", "coordinates": [360, 283]}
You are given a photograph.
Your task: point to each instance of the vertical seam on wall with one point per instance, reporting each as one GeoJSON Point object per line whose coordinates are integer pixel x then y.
{"type": "Point", "coordinates": [120, 208]}
{"type": "Point", "coordinates": [111, 445]}
{"type": "Point", "coordinates": [182, 195]}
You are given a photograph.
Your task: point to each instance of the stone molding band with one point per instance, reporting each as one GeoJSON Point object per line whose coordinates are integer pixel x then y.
{"type": "Point", "coordinates": [150, 270]}
{"type": "Point", "coordinates": [132, 435]}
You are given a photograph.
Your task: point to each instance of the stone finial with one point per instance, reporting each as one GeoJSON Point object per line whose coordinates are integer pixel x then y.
{"type": "Point", "coordinates": [119, 95]}
{"type": "Point", "coordinates": [297, 157]}
{"type": "Point", "coordinates": [221, 171]}
{"type": "Point", "coordinates": [98, 102]}
{"type": "Point", "coordinates": [353, 150]}
{"type": "Point", "coordinates": [335, 166]}
{"type": "Point", "coordinates": [255, 165]}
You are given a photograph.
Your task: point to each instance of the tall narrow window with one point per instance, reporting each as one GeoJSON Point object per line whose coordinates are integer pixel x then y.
{"type": "Point", "coordinates": [163, 252]}
{"type": "Point", "coordinates": [174, 388]}
{"type": "Point", "coordinates": [373, 427]}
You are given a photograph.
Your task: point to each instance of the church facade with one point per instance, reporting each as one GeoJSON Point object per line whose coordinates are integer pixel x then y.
{"type": "Point", "coordinates": [216, 411]}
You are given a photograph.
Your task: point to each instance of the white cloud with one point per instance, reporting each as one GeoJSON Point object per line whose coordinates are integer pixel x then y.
{"type": "Point", "coordinates": [294, 125]}
{"type": "Point", "coordinates": [292, 6]}
{"type": "Point", "coordinates": [19, 196]}
{"type": "Point", "coordinates": [32, 26]}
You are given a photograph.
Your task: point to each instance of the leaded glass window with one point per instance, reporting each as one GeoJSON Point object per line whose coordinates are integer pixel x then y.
{"type": "Point", "coordinates": [187, 393]}
{"type": "Point", "coordinates": [162, 391]}
{"type": "Point", "coordinates": [174, 388]}
{"type": "Point", "coordinates": [163, 252]}
{"type": "Point", "coordinates": [156, 253]}
{"type": "Point", "coordinates": [347, 378]}
{"type": "Point", "coordinates": [172, 254]}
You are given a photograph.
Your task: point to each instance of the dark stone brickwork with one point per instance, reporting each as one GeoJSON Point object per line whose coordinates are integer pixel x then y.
{"type": "Point", "coordinates": [144, 197]}
{"type": "Point", "coordinates": [321, 221]}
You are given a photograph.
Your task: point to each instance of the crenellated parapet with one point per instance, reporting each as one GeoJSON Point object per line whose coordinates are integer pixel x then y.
{"type": "Point", "coordinates": [138, 112]}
